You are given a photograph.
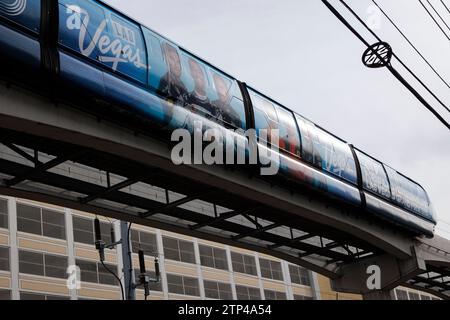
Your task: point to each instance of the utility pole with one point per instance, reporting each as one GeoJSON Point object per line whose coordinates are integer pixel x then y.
{"type": "Point", "coordinates": [128, 272]}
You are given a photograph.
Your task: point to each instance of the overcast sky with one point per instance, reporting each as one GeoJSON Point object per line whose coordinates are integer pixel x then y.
{"type": "Point", "coordinates": [298, 53]}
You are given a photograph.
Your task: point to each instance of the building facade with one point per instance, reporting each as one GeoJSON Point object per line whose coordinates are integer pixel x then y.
{"type": "Point", "coordinates": [38, 242]}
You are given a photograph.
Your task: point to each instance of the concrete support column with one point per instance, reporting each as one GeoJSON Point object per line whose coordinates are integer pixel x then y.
{"type": "Point", "coordinates": [230, 269]}
{"type": "Point", "coordinates": [70, 247]}
{"type": "Point", "coordinates": [201, 285]}
{"type": "Point", "coordinates": [287, 280]}
{"type": "Point", "coordinates": [120, 254]}
{"type": "Point", "coordinates": [314, 285]}
{"type": "Point", "coordinates": [162, 264]}
{"type": "Point", "coordinates": [258, 272]}
{"type": "Point", "coordinates": [13, 248]}
{"type": "Point", "coordinates": [376, 276]}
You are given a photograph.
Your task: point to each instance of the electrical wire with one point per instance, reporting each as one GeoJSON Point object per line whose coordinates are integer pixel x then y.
{"type": "Point", "coordinates": [115, 276]}
{"type": "Point", "coordinates": [437, 12]}
{"type": "Point", "coordinates": [414, 47]}
{"type": "Point", "coordinates": [122, 291]}
{"type": "Point", "coordinates": [393, 54]}
{"type": "Point", "coordinates": [437, 23]}
{"type": "Point", "coordinates": [445, 6]}
{"type": "Point", "coordinates": [396, 74]}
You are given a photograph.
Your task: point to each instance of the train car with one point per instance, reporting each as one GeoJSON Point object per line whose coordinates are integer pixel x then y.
{"type": "Point", "coordinates": [84, 50]}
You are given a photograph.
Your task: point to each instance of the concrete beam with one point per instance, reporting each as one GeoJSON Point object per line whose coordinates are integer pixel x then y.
{"type": "Point", "coordinates": [20, 110]}
{"type": "Point", "coordinates": [435, 251]}
{"type": "Point", "coordinates": [384, 272]}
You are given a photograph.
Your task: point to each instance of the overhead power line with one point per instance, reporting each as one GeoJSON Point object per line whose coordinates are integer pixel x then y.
{"type": "Point", "coordinates": [415, 49]}
{"type": "Point", "coordinates": [445, 6]}
{"type": "Point", "coordinates": [437, 12]}
{"type": "Point", "coordinates": [434, 19]}
{"type": "Point", "coordinates": [400, 61]}
{"type": "Point", "coordinates": [389, 66]}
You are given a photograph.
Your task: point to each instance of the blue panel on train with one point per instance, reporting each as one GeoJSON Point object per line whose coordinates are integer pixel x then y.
{"type": "Point", "coordinates": [26, 13]}
{"type": "Point", "coordinates": [103, 36]}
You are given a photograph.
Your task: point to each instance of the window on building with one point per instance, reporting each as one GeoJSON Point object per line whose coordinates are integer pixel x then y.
{"type": "Point", "coordinates": [217, 290]}
{"type": "Point", "coordinates": [31, 263]}
{"type": "Point", "coordinates": [105, 276]}
{"type": "Point", "coordinates": [301, 297]}
{"type": "Point", "coordinates": [274, 295]}
{"type": "Point", "coordinates": [183, 285]}
{"type": "Point", "coordinates": [42, 264]}
{"type": "Point", "coordinates": [422, 297]}
{"type": "Point", "coordinates": [299, 275]}
{"type": "Point", "coordinates": [53, 224]}
{"type": "Point", "coordinates": [413, 296]}
{"type": "Point", "coordinates": [152, 285]}
{"type": "Point", "coordinates": [55, 266]}
{"type": "Point", "coordinates": [4, 258]}
{"type": "Point", "coordinates": [5, 295]}
{"type": "Point", "coordinates": [243, 263]}
{"type": "Point", "coordinates": [41, 221]}
{"type": "Point", "coordinates": [213, 257]}
{"type": "Point", "coordinates": [145, 241]}
{"type": "Point", "coordinates": [83, 230]}
{"type": "Point", "coordinates": [95, 272]}
{"type": "Point", "coordinates": [40, 296]}
{"type": "Point", "coordinates": [178, 250]}
{"type": "Point", "coordinates": [271, 269]}
{"type": "Point", "coordinates": [3, 213]}
{"type": "Point", "coordinates": [401, 294]}
{"type": "Point", "coordinates": [247, 293]}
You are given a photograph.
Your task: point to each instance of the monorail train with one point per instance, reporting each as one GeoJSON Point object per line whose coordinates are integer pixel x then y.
{"type": "Point", "coordinates": [85, 49]}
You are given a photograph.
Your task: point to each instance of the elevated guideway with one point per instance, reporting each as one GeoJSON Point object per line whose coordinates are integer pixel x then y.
{"type": "Point", "coordinates": [58, 154]}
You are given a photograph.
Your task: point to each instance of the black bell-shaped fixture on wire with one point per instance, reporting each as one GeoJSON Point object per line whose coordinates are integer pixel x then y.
{"type": "Point", "coordinates": [378, 55]}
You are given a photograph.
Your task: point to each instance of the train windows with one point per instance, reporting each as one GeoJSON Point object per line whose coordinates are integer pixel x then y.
{"type": "Point", "coordinates": [211, 93]}
{"type": "Point", "coordinates": [407, 193]}
{"type": "Point", "coordinates": [265, 115]}
{"type": "Point", "coordinates": [104, 37]}
{"type": "Point", "coordinates": [23, 12]}
{"type": "Point", "coordinates": [308, 138]}
{"type": "Point", "coordinates": [163, 61]}
{"type": "Point", "coordinates": [185, 81]}
{"type": "Point", "coordinates": [373, 176]}
{"type": "Point", "coordinates": [289, 137]}
{"type": "Point", "coordinates": [165, 75]}
{"type": "Point", "coordinates": [326, 152]}
{"type": "Point", "coordinates": [227, 100]}
{"type": "Point", "coordinates": [198, 86]}
{"type": "Point", "coordinates": [271, 116]}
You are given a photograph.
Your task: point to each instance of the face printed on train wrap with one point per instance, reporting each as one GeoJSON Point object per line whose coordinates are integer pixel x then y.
{"type": "Point", "coordinates": [198, 99]}
{"type": "Point", "coordinates": [198, 76]}
{"type": "Point", "coordinates": [173, 60]}
{"type": "Point", "coordinates": [170, 86]}
{"type": "Point", "coordinates": [221, 87]}
{"type": "Point", "coordinates": [223, 109]}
